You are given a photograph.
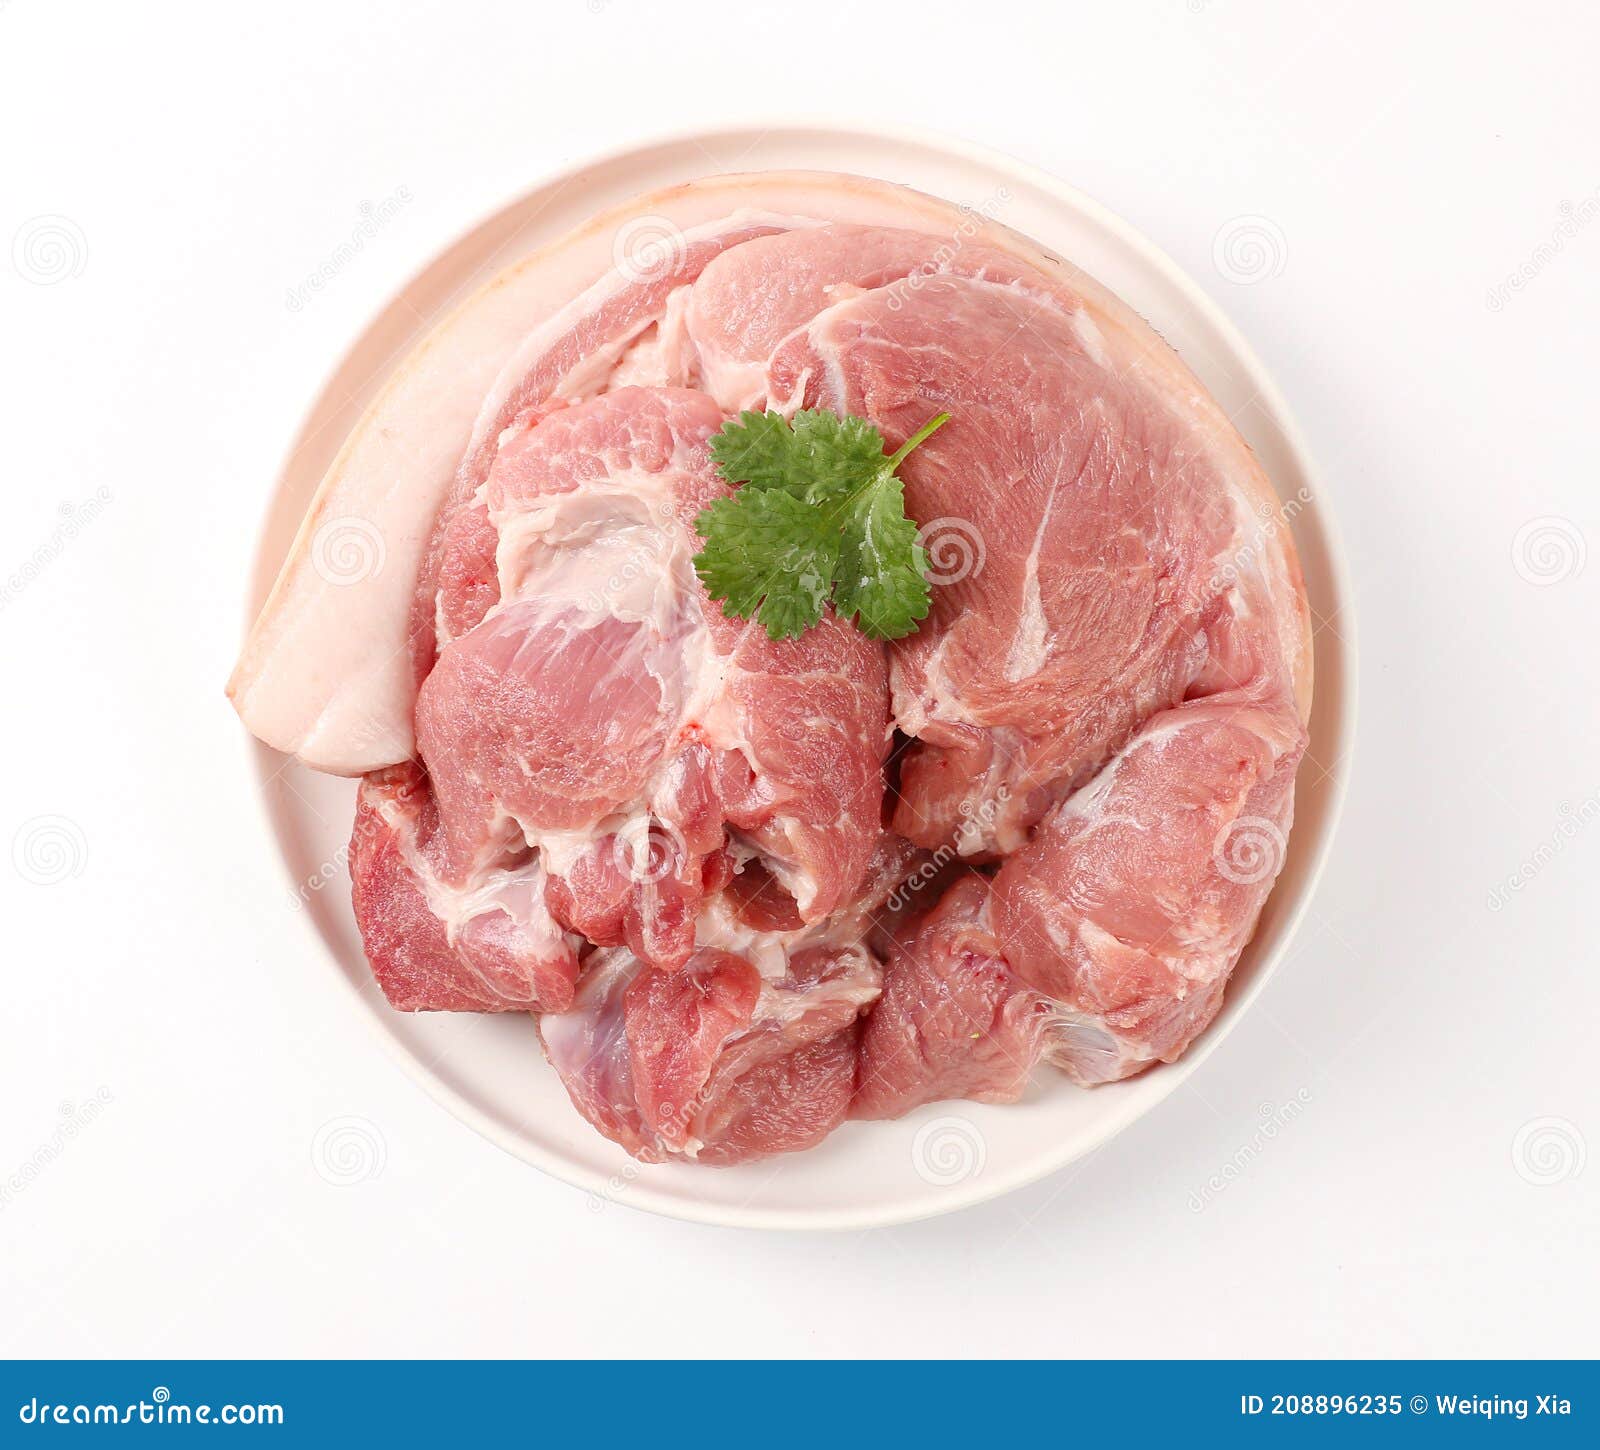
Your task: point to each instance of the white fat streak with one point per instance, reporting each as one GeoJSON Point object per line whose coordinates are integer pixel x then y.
{"type": "Point", "coordinates": [708, 702]}
{"type": "Point", "coordinates": [1094, 343]}
{"type": "Point", "coordinates": [519, 891]}
{"type": "Point", "coordinates": [718, 926]}
{"type": "Point", "coordinates": [858, 985]}
{"type": "Point", "coordinates": [601, 551]}
{"type": "Point", "coordinates": [800, 884]}
{"type": "Point", "coordinates": [767, 951]}
{"type": "Point", "coordinates": [1031, 643]}
{"type": "Point", "coordinates": [661, 359]}
{"type": "Point", "coordinates": [562, 850]}
{"type": "Point", "coordinates": [590, 377]}
{"type": "Point", "coordinates": [736, 384]}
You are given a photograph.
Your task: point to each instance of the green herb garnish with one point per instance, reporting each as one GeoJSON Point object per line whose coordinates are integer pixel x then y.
{"type": "Point", "coordinates": [820, 516]}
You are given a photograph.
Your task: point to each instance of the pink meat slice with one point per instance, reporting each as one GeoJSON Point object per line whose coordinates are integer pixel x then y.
{"type": "Point", "coordinates": [954, 1020]}
{"type": "Point", "coordinates": [501, 952]}
{"type": "Point", "coordinates": [1071, 525]}
{"type": "Point", "coordinates": [1106, 942]}
{"type": "Point", "coordinates": [1131, 904]}
{"type": "Point", "coordinates": [1072, 511]}
{"type": "Point", "coordinates": [560, 711]}
{"type": "Point", "coordinates": [544, 713]}
{"type": "Point", "coordinates": [712, 1062]}
{"type": "Point", "coordinates": [806, 786]}
{"type": "Point", "coordinates": [751, 297]}
{"type": "Point", "coordinates": [606, 700]}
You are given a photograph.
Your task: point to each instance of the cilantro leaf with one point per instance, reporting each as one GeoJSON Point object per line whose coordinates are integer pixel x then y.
{"type": "Point", "coordinates": [838, 452]}
{"type": "Point", "coordinates": [758, 449]}
{"type": "Point", "coordinates": [771, 555]}
{"type": "Point", "coordinates": [820, 515]}
{"type": "Point", "coordinates": [880, 577]}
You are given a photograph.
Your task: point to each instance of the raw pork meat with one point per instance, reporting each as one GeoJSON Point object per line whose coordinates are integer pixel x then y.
{"type": "Point", "coordinates": [607, 712]}
{"type": "Point", "coordinates": [954, 1021]}
{"type": "Point", "coordinates": [686, 846]}
{"type": "Point", "coordinates": [1095, 696]}
{"type": "Point", "coordinates": [714, 1062]}
{"type": "Point", "coordinates": [491, 948]}
{"type": "Point", "coordinates": [1079, 518]}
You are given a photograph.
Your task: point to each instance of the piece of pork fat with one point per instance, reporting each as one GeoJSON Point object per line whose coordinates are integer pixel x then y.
{"type": "Point", "coordinates": [607, 712]}
{"type": "Point", "coordinates": [1076, 508]}
{"type": "Point", "coordinates": [491, 948]}
{"type": "Point", "coordinates": [713, 1063]}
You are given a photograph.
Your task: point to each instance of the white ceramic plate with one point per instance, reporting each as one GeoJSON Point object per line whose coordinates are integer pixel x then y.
{"type": "Point", "coordinates": [488, 1070]}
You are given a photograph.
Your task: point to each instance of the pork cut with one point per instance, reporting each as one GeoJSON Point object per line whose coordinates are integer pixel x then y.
{"type": "Point", "coordinates": [714, 1062]}
{"type": "Point", "coordinates": [606, 711]}
{"type": "Point", "coordinates": [954, 1021]}
{"type": "Point", "coordinates": [753, 888]}
{"type": "Point", "coordinates": [489, 947]}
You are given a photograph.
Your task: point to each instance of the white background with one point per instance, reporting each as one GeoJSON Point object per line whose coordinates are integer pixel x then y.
{"type": "Point", "coordinates": [1441, 998]}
